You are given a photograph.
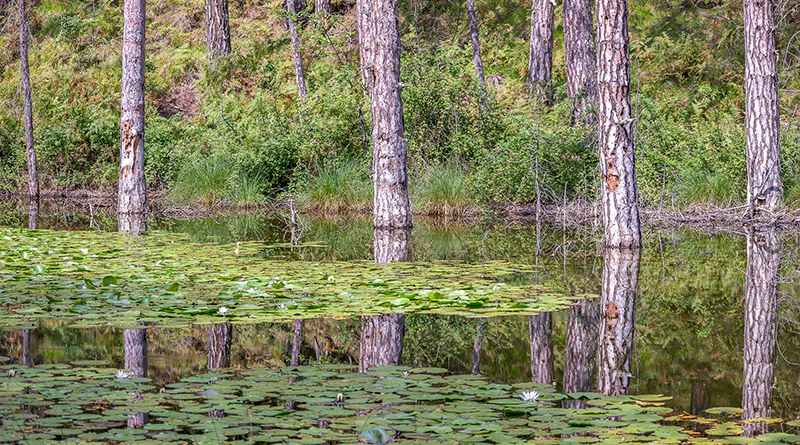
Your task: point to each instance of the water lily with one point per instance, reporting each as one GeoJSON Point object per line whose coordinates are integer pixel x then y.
{"type": "Point", "coordinates": [529, 396]}
{"type": "Point", "coordinates": [121, 374]}
{"type": "Point", "coordinates": [11, 372]}
{"type": "Point", "coordinates": [222, 310]}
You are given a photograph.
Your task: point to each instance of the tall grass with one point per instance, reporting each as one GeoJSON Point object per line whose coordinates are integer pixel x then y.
{"type": "Point", "coordinates": [443, 189]}
{"type": "Point", "coordinates": [214, 180]}
{"type": "Point", "coordinates": [339, 186]}
{"type": "Point", "coordinates": [717, 189]}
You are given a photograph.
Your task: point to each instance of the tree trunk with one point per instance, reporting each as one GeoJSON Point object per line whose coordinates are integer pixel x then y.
{"type": "Point", "coordinates": [580, 349]}
{"type": "Point", "coordinates": [477, 347]}
{"type": "Point", "coordinates": [540, 328]}
{"type": "Point", "coordinates": [27, 356]}
{"type": "Point", "coordinates": [618, 305]}
{"type": "Point", "coordinates": [540, 58]}
{"type": "Point", "coordinates": [218, 33]}
{"type": "Point", "coordinates": [33, 214]}
{"type": "Point", "coordinates": [322, 8]}
{"type": "Point", "coordinates": [581, 62]}
{"type": "Point", "coordinates": [135, 348]}
{"type": "Point", "coordinates": [132, 223]}
{"type": "Point", "coordinates": [132, 197]}
{"type": "Point", "coordinates": [297, 341]}
{"type": "Point", "coordinates": [220, 337]}
{"type": "Point", "coordinates": [701, 397]}
{"type": "Point", "coordinates": [760, 325]}
{"type": "Point", "coordinates": [296, 54]}
{"type": "Point", "coordinates": [615, 129]}
{"type": "Point", "coordinates": [381, 341]}
{"type": "Point", "coordinates": [762, 122]}
{"type": "Point", "coordinates": [476, 45]}
{"type": "Point", "coordinates": [379, 46]}
{"type": "Point", "coordinates": [27, 106]}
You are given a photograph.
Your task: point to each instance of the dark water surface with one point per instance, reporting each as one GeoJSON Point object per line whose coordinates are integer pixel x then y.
{"type": "Point", "coordinates": [702, 318]}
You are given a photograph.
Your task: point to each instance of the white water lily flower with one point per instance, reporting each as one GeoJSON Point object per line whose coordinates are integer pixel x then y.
{"type": "Point", "coordinates": [530, 396]}
{"type": "Point", "coordinates": [121, 374]}
{"type": "Point", "coordinates": [281, 306]}
{"type": "Point", "coordinates": [222, 310]}
{"type": "Point", "coordinates": [11, 372]}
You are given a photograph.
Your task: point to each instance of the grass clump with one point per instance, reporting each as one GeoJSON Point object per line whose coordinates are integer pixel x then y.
{"type": "Point", "coordinates": [716, 189]}
{"type": "Point", "coordinates": [443, 189]}
{"type": "Point", "coordinates": [338, 186]}
{"type": "Point", "coordinates": [213, 180]}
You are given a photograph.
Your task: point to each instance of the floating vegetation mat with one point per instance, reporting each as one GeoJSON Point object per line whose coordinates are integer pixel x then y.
{"type": "Point", "coordinates": [87, 402]}
{"type": "Point", "coordinates": [163, 279]}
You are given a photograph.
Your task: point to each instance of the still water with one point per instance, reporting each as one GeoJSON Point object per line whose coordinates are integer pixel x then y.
{"type": "Point", "coordinates": [711, 320]}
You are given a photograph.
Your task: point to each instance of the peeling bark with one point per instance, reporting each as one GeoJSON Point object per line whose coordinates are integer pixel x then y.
{"type": "Point", "coordinates": [27, 104]}
{"type": "Point", "coordinates": [762, 109]}
{"type": "Point", "coordinates": [580, 347]}
{"type": "Point", "coordinates": [760, 326]}
{"type": "Point", "coordinates": [218, 33]}
{"type": "Point", "coordinates": [297, 56]}
{"type": "Point", "coordinates": [615, 127]}
{"type": "Point", "coordinates": [132, 193]}
{"type": "Point", "coordinates": [379, 47]}
{"type": "Point", "coordinates": [581, 60]}
{"type": "Point", "coordinates": [220, 337]}
{"type": "Point", "coordinates": [540, 328]}
{"type": "Point", "coordinates": [618, 305]}
{"type": "Point", "coordinates": [540, 56]}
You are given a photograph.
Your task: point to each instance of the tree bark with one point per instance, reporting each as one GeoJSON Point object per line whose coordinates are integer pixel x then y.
{"type": "Point", "coordinates": [381, 340]}
{"type": "Point", "coordinates": [135, 352]}
{"type": "Point", "coordinates": [132, 197]}
{"type": "Point", "coordinates": [760, 326]}
{"type": "Point", "coordinates": [476, 45]}
{"type": "Point", "coordinates": [581, 61]}
{"type": "Point", "coordinates": [477, 347]}
{"type": "Point", "coordinates": [615, 129]}
{"type": "Point", "coordinates": [27, 356]}
{"type": "Point", "coordinates": [701, 397]}
{"type": "Point", "coordinates": [762, 121]}
{"type": "Point", "coordinates": [296, 54]}
{"type": "Point", "coordinates": [220, 337]}
{"type": "Point", "coordinates": [33, 214]}
{"type": "Point", "coordinates": [27, 105]}
{"type": "Point", "coordinates": [540, 57]}
{"type": "Point", "coordinates": [322, 8]}
{"type": "Point", "coordinates": [580, 349]}
{"type": "Point", "coordinates": [297, 341]}
{"type": "Point", "coordinates": [379, 46]}
{"type": "Point", "coordinates": [218, 33]}
{"type": "Point", "coordinates": [540, 328]}
{"type": "Point", "coordinates": [618, 305]}
{"type": "Point", "coordinates": [132, 223]}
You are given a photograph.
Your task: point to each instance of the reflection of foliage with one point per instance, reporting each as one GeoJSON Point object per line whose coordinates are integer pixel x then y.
{"type": "Point", "coordinates": [437, 340]}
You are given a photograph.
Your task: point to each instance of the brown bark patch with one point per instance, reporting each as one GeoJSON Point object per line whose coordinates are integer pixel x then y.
{"type": "Point", "coordinates": [611, 315]}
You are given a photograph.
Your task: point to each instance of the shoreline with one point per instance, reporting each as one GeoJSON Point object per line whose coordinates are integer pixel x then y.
{"type": "Point", "coordinates": [702, 217]}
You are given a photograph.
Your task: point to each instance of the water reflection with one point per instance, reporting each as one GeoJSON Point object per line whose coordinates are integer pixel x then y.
{"type": "Point", "coordinates": [297, 341]}
{"type": "Point", "coordinates": [135, 347]}
{"type": "Point", "coordinates": [540, 330]}
{"type": "Point", "coordinates": [618, 305]}
{"type": "Point", "coordinates": [220, 337]}
{"type": "Point", "coordinates": [381, 339]}
{"type": "Point", "coordinates": [760, 326]}
{"type": "Point", "coordinates": [580, 349]}
{"type": "Point", "coordinates": [477, 347]}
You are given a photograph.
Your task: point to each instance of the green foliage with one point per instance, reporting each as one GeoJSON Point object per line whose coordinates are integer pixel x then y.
{"type": "Point", "coordinates": [337, 186]}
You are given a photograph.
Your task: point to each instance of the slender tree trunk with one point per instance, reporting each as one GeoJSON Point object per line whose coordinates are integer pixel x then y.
{"type": "Point", "coordinates": [27, 356]}
{"type": "Point", "coordinates": [132, 189]}
{"type": "Point", "coordinates": [322, 8]}
{"type": "Point", "coordinates": [220, 337]}
{"type": "Point", "coordinates": [381, 342]}
{"type": "Point", "coordinates": [760, 326]}
{"type": "Point", "coordinates": [618, 305]}
{"type": "Point", "coordinates": [297, 342]}
{"type": "Point", "coordinates": [762, 121]}
{"type": "Point", "coordinates": [27, 106]}
{"type": "Point", "coordinates": [581, 61]}
{"type": "Point", "coordinates": [135, 352]}
{"type": "Point", "coordinates": [477, 347]}
{"type": "Point", "coordinates": [33, 214]}
{"type": "Point", "coordinates": [540, 58]}
{"type": "Point", "coordinates": [580, 347]}
{"type": "Point", "coordinates": [540, 328]}
{"type": "Point", "coordinates": [615, 127]}
{"type": "Point", "coordinates": [701, 397]}
{"type": "Point", "coordinates": [218, 32]}
{"type": "Point", "coordinates": [379, 46]}
{"type": "Point", "coordinates": [476, 44]}
{"type": "Point", "coordinates": [296, 54]}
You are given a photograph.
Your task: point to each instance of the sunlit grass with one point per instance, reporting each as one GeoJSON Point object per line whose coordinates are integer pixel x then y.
{"type": "Point", "coordinates": [443, 189]}
{"type": "Point", "coordinates": [339, 186]}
